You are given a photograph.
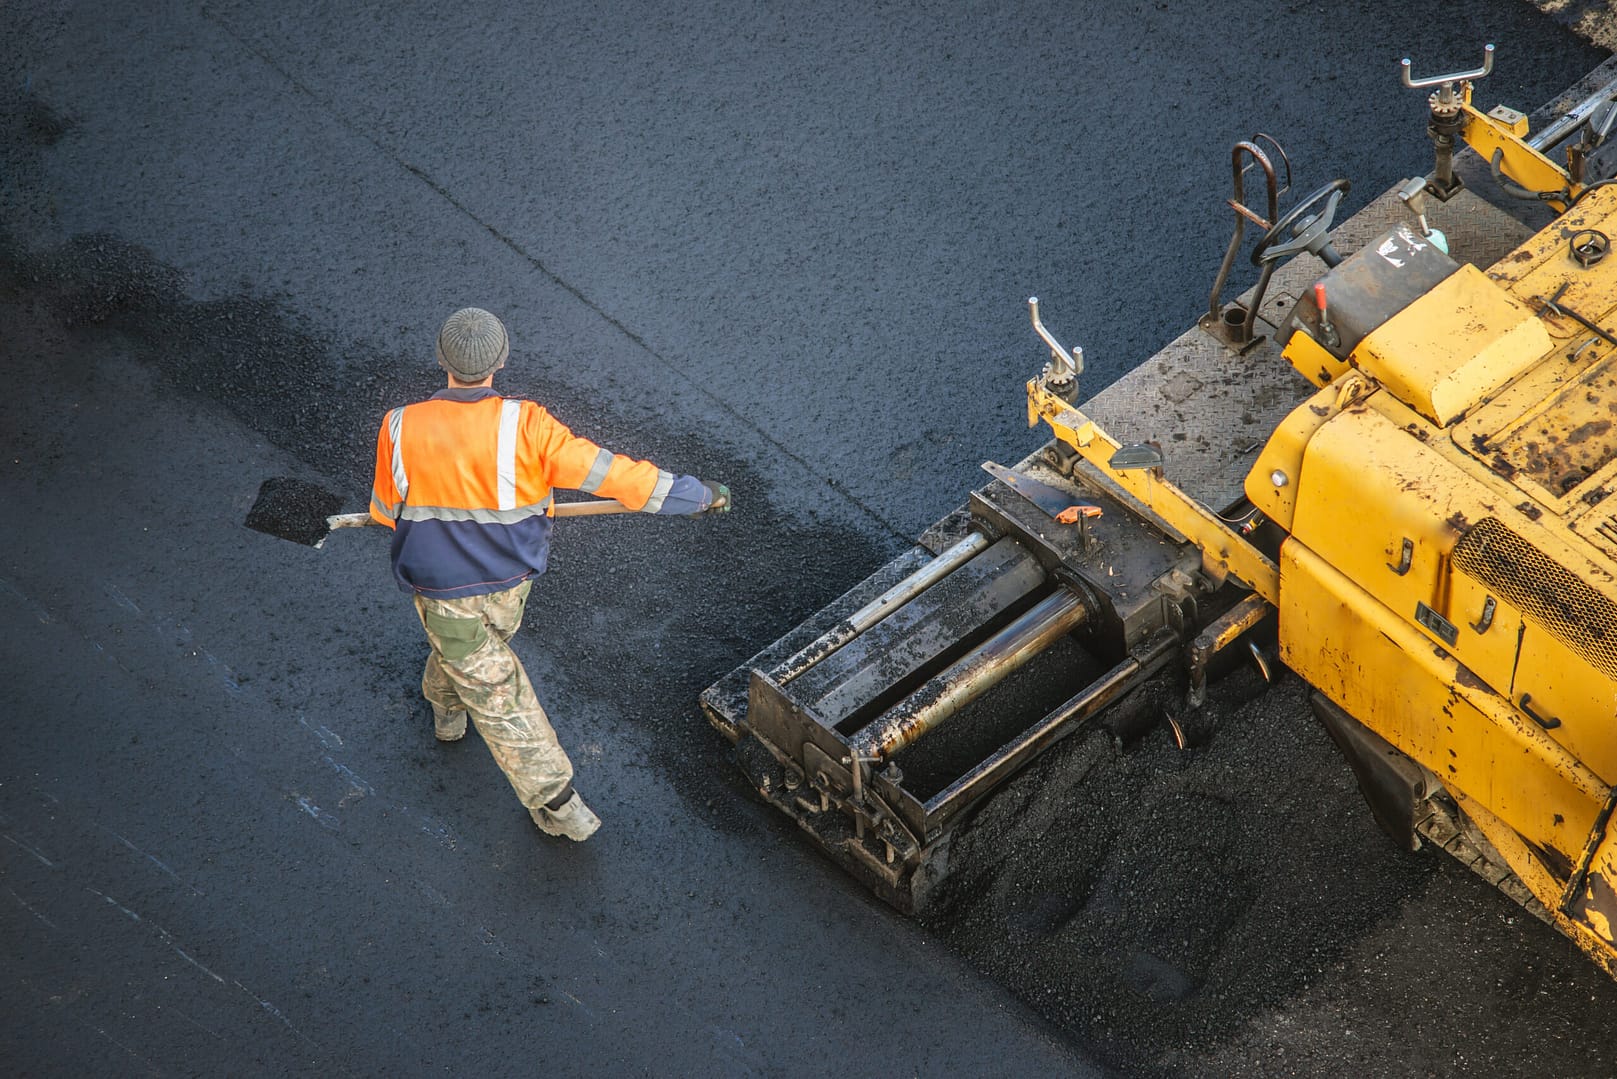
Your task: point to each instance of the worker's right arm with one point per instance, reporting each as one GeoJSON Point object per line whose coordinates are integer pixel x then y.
{"type": "Point", "coordinates": [386, 502]}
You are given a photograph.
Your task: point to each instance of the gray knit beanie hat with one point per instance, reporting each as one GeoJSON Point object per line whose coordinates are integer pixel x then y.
{"type": "Point", "coordinates": [472, 344]}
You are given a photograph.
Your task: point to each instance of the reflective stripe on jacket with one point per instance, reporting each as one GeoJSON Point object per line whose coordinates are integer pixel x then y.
{"type": "Point", "coordinates": [465, 479]}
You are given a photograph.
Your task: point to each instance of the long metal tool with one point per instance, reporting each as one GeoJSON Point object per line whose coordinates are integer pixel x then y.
{"type": "Point", "coordinates": [591, 508]}
{"type": "Point", "coordinates": [292, 509]}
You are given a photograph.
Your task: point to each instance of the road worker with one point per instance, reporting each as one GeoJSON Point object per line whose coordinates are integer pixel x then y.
{"type": "Point", "coordinates": [465, 480]}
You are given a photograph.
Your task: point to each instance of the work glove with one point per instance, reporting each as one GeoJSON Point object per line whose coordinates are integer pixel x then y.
{"type": "Point", "coordinates": [718, 497]}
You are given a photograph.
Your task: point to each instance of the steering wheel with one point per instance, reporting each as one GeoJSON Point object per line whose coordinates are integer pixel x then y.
{"type": "Point", "coordinates": [1307, 233]}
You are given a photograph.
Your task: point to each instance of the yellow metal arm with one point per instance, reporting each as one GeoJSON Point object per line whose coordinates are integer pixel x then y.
{"type": "Point", "coordinates": [1507, 136]}
{"type": "Point", "coordinates": [1224, 552]}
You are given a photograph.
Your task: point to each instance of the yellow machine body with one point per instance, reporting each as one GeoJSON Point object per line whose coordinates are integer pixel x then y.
{"type": "Point", "coordinates": [1447, 575]}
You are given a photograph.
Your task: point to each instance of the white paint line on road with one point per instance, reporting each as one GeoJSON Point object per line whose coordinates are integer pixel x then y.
{"type": "Point", "coordinates": [175, 877]}
{"type": "Point", "coordinates": [47, 618]}
{"type": "Point", "coordinates": [276, 1012]}
{"type": "Point", "coordinates": [122, 600]}
{"type": "Point", "coordinates": [56, 1001]}
{"type": "Point", "coordinates": [168, 939]}
{"type": "Point", "coordinates": [581, 1005]}
{"type": "Point", "coordinates": [434, 827]}
{"type": "Point", "coordinates": [326, 820]}
{"type": "Point", "coordinates": [9, 838]}
{"type": "Point", "coordinates": [163, 934]}
{"type": "Point", "coordinates": [193, 1022]}
{"type": "Point", "coordinates": [174, 634]}
{"type": "Point", "coordinates": [24, 904]}
{"type": "Point", "coordinates": [433, 895]}
{"type": "Point", "coordinates": [44, 616]}
{"type": "Point", "coordinates": [328, 738]}
{"type": "Point", "coordinates": [357, 787]}
{"type": "Point", "coordinates": [131, 915]}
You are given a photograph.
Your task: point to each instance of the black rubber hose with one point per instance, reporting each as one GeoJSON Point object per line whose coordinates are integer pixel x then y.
{"type": "Point", "coordinates": [1598, 183]}
{"type": "Point", "coordinates": [1517, 191]}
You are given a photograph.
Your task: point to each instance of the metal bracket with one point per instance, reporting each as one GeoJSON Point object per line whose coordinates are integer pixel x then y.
{"type": "Point", "coordinates": [1136, 455]}
{"type": "Point", "coordinates": [1407, 560]}
{"type": "Point", "coordinates": [1481, 625]}
{"type": "Point", "coordinates": [1217, 635]}
{"type": "Point", "coordinates": [1446, 82]}
{"type": "Point", "coordinates": [855, 762]}
{"type": "Point", "coordinates": [1436, 624]}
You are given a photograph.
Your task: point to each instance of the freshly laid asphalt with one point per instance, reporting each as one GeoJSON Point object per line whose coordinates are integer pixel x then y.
{"type": "Point", "coordinates": [787, 248]}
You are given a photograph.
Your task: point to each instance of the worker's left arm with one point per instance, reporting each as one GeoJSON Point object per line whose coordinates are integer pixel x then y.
{"type": "Point", "coordinates": [569, 460]}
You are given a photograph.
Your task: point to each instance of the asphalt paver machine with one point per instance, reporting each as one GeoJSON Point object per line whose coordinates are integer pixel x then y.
{"type": "Point", "coordinates": [1388, 466]}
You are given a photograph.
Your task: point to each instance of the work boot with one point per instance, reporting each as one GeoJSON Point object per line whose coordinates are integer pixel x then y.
{"type": "Point", "coordinates": [566, 815]}
{"type": "Point", "coordinates": [448, 726]}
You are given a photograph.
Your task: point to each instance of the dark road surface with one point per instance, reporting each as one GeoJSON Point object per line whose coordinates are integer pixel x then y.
{"type": "Point", "coordinates": [785, 250]}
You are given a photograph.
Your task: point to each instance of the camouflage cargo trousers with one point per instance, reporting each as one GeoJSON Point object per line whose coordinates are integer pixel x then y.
{"type": "Point", "coordinates": [473, 669]}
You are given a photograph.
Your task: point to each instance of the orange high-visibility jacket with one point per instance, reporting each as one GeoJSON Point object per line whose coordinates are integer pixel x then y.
{"type": "Point", "coordinates": [465, 478]}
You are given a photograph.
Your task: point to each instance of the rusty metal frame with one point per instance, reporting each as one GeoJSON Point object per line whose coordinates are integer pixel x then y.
{"type": "Point", "coordinates": [1215, 322]}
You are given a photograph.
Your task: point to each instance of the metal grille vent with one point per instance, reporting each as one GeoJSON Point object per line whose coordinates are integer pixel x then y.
{"type": "Point", "coordinates": [1545, 591]}
{"type": "Point", "coordinates": [1607, 531]}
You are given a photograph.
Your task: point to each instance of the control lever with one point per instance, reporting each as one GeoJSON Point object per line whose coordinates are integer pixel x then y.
{"type": "Point", "coordinates": [1332, 339]}
{"type": "Point", "coordinates": [1413, 196]}
{"type": "Point", "coordinates": [1061, 373]}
